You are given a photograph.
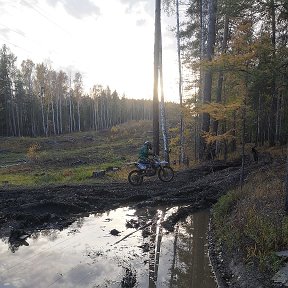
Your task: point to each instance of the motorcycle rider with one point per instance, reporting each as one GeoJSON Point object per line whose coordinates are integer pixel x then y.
{"type": "Point", "coordinates": [144, 153]}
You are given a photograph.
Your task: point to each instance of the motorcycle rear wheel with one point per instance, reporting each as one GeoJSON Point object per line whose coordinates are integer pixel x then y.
{"type": "Point", "coordinates": [166, 174]}
{"type": "Point", "coordinates": [135, 178]}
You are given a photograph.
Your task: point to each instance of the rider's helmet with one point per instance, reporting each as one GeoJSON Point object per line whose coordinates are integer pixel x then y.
{"type": "Point", "coordinates": [148, 144]}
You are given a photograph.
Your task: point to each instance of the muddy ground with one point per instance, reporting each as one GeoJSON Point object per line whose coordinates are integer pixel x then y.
{"type": "Point", "coordinates": [24, 210]}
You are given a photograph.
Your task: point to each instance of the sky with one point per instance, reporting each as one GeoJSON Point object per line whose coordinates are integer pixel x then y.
{"type": "Point", "coordinates": [110, 42]}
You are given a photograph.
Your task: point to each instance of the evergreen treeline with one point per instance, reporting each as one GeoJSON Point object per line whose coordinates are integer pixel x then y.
{"type": "Point", "coordinates": [36, 100]}
{"type": "Point", "coordinates": [237, 52]}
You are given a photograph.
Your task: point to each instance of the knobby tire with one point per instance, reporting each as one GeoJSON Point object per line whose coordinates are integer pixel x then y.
{"type": "Point", "coordinates": [135, 178]}
{"type": "Point", "coordinates": [166, 174]}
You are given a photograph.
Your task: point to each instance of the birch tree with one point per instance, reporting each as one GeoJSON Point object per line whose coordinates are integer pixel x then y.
{"type": "Point", "coordinates": [156, 77]}
{"type": "Point", "coordinates": [78, 91]}
{"type": "Point", "coordinates": [162, 103]}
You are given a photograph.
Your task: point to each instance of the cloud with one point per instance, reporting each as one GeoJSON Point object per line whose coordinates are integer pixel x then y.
{"type": "Point", "coordinates": [141, 22]}
{"type": "Point", "coordinates": [132, 2]}
{"type": "Point", "coordinates": [4, 32]}
{"type": "Point", "coordinates": [76, 8]}
{"type": "Point", "coordinates": [148, 5]}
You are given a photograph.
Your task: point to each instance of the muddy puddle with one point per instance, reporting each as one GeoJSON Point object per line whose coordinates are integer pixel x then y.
{"type": "Point", "coordinates": [121, 248]}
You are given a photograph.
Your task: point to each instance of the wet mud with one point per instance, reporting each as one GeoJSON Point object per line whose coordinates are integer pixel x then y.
{"type": "Point", "coordinates": [57, 207]}
{"type": "Point", "coordinates": [23, 211]}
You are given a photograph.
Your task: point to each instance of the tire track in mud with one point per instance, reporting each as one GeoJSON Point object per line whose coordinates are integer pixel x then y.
{"type": "Point", "coordinates": [57, 207]}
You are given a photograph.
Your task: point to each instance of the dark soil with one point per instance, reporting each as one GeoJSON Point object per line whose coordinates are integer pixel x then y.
{"type": "Point", "coordinates": [23, 211]}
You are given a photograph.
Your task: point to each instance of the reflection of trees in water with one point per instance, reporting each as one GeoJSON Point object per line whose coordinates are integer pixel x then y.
{"type": "Point", "coordinates": [80, 222]}
{"type": "Point", "coordinates": [172, 276]}
{"type": "Point", "coordinates": [15, 245]}
{"type": "Point", "coordinates": [14, 241]}
{"type": "Point", "coordinates": [155, 244]}
{"type": "Point", "coordinates": [52, 234]}
{"type": "Point", "coordinates": [190, 266]}
{"type": "Point", "coordinates": [17, 239]}
{"type": "Point", "coordinates": [154, 232]}
{"type": "Point", "coordinates": [76, 226]}
{"type": "Point", "coordinates": [129, 279]}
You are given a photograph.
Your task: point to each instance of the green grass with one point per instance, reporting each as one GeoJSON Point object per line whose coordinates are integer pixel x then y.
{"type": "Point", "coordinates": [71, 158]}
{"type": "Point", "coordinates": [17, 180]}
{"type": "Point", "coordinates": [254, 220]}
{"type": "Point", "coordinates": [8, 158]}
{"type": "Point", "coordinates": [34, 175]}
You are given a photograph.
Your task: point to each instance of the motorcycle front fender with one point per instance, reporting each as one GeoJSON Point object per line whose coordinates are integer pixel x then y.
{"type": "Point", "coordinates": [164, 163]}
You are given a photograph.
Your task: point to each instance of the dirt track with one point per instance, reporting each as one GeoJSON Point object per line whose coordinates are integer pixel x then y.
{"type": "Point", "coordinates": [56, 207]}
{"type": "Point", "coordinates": [24, 210]}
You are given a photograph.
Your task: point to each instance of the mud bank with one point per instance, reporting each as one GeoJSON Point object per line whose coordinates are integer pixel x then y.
{"type": "Point", "coordinates": [23, 211]}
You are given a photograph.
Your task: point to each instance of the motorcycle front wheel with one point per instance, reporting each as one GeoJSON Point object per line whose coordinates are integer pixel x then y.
{"type": "Point", "coordinates": [135, 178]}
{"type": "Point", "coordinates": [166, 174]}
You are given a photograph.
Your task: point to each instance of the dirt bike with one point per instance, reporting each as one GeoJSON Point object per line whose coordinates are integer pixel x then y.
{"type": "Point", "coordinates": [165, 172]}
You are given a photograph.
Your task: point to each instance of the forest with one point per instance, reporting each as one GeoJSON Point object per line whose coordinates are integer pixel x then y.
{"type": "Point", "coordinates": [233, 54]}
{"type": "Point", "coordinates": [236, 52]}
{"type": "Point", "coordinates": [36, 100]}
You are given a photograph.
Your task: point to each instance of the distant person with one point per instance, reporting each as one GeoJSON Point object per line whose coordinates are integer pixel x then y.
{"type": "Point", "coordinates": [145, 152]}
{"type": "Point", "coordinates": [255, 153]}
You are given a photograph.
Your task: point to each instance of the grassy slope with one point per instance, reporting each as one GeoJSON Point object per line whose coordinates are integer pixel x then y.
{"type": "Point", "coordinates": [253, 220]}
{"type": "Point", "coordinates": [70, 158]}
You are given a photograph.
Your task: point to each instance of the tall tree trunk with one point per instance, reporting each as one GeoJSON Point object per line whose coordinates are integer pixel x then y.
{"type": "Point", "coordinates": [47, 119]}
{"type": "Point", "coordinates": [203, 4]}
{"type": "Point", "coordinates": [274, 92]}
{"type": "Point", "coordinates": [208, 73]}
{"type": "Point", "coordinates": [243, 146]}
{"type": "Point", "coordinates": [156, 78]}
{"type": "Point", "coordinates": [14, 128]}
{"type": "Point", "coordinates": [78, 112]}
{"type": "Point", "coordinates": [18, 120]}
{"type": "Point", "coordinates": [286, 182]}
{"type": "Point", "coordinates": [53, 117]}
{"type": "Point", "coordinates": [42, 110]}
{"type": "Point", "coordinates": [277, 120]}
{"type": "Point", "coordinates": [221, 75]}
{"type": "Point", "coordinates": [258, 133]}
{"type": "Point", "coordinates": [70, 114]}
{"type": "Point", "coordinates": [57, 114]}
{"type": "Point", "coordinates": [180, 87]}
{"type": "Point", "coordinates": [243, 133]}
{"type": "Point", "coordinates": [60, 115]}
{"type": "Point", "coordinates": [233, 142]}
{"type": "Point", "coordinates": [162, 103]}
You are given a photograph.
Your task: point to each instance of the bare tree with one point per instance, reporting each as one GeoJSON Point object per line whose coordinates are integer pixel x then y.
{"type": "Point", "coordinates": [162, 104]}
{"type": "Point", "coordinates": [180, 86]}
{"type": "Point", "coordinates": [78, 90]}
{"type": "Point", "coordinates": [156, 77]}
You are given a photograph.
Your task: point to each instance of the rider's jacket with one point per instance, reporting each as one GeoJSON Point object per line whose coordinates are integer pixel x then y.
{"type": "Point", "coordinates": [144, 153]}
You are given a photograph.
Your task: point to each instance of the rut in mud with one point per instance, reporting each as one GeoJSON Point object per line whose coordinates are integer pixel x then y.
{"type": "Point", "coordinates": [24, 211]}
{"type": "Point", "coordinates": [57, 207]}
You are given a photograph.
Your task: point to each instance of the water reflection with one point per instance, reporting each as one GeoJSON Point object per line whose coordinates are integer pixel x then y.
{"type": "Point", "coordinates": [190, 262]}
{"type": "Point", "coordinates": [87, 255]}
